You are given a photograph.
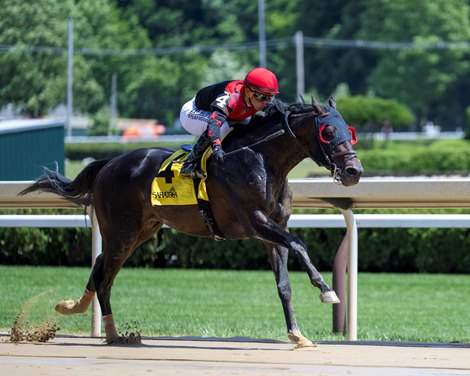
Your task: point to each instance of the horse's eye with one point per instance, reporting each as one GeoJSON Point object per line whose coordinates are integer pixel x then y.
{"type": "Point", "coordinates": [328, 133]}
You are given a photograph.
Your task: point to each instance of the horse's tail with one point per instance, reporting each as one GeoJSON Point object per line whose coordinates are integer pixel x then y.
{"type": "Point", "coordinates": [77, 191]}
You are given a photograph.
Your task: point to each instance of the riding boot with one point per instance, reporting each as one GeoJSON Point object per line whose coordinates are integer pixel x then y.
{"type": "Point", "coordinates": [191, 166]}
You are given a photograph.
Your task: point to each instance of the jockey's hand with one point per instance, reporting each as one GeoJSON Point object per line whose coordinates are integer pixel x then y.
{"type": "Point", "coordinates": [218, 154]}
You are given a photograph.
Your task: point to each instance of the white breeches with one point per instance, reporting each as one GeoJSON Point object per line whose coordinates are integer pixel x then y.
{"type": "Point", "coordinates": [194, 120]}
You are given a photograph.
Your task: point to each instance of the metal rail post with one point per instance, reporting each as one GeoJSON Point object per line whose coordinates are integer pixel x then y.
{"type": "Point", "coordinates": [340, 267]}
{"type": "Point", "coordinates": [352, 274]}
{"type": "Point", "coordinates": [96, 249]}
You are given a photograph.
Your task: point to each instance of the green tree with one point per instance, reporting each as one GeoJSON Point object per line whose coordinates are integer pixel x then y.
{"type": "Point", "coordinates": [32, 78]}
{"type": "Point", "coordinates": [33, 66]}
{"type": "Point", "coordinates": [417, 76]}
{"type": "Point", "coordinates": [99, 29]}
{"type": "Point", "coordinates": [326, 67]}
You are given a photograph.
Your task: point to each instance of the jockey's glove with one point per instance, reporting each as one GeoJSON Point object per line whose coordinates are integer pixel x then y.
{"type": "Point", "coordinates": [218, 154]}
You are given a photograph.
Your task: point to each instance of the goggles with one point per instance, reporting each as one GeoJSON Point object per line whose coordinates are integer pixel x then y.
{"type": "Point", "coordinates": [262, 97]}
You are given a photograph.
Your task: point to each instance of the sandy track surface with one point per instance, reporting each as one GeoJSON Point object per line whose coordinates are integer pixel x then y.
{"type": "Point", "coordinates": [89, 356]}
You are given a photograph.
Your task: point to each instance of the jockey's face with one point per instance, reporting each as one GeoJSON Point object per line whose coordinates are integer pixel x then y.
{"type": "Point", "coordinates": [259, 100]}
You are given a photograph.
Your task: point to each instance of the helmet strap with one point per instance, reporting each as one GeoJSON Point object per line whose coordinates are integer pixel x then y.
{"type": "Point", "coordinates": [249, 95]}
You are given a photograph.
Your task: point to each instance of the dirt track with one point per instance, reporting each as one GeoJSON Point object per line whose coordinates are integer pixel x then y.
{"type": "Point", "coordinates": [89, 356]}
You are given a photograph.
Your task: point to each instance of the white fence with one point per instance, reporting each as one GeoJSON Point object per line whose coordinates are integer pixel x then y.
{"type": "Point", "coordinates": [307, 193]}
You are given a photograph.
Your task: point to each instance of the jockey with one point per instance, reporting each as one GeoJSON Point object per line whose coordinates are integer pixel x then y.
{"type": "Point", "coordinates": [215, 108]}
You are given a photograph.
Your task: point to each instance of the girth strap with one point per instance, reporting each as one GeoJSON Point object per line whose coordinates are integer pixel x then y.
{"type": "Point", "coordinates": [207, 215]}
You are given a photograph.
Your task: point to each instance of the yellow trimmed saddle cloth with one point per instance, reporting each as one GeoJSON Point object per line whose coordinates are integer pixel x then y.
{"type": "Point", "coordinates": [170, 188]}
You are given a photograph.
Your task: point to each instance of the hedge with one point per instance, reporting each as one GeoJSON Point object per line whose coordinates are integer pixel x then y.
{"type": "Point", "coordinates": [441, 158]}
{"type": "Point", "coordinates": [79, 151]}
{"type": "Point", "coordinates": [380, 250]}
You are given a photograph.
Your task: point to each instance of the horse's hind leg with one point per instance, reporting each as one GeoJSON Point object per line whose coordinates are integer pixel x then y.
{"type": "Point", "coordinates": [119, 245]}
{"type": "Point", "coordinates": [278, 257]}
{"type": "Point", "coordinates": [70, 307]}
{"type": "Point", "coordinates": [100, 281]}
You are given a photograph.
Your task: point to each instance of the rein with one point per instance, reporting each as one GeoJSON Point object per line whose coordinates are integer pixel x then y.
{"type": "Point", "coordinates": [265, 139]}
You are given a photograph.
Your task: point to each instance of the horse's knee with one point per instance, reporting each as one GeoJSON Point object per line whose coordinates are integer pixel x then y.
{"type": "Point", "coordinates": [285, 291]}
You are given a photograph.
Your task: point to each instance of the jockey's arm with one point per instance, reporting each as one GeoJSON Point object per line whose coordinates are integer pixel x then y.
{"type": "Point", "coordinates": [218, 117]}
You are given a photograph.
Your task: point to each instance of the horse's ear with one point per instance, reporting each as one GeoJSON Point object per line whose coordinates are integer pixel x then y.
{"type": "Point", "coordinates": [316, 107]}
{"type": "Point", "coordinates": [332, 102]}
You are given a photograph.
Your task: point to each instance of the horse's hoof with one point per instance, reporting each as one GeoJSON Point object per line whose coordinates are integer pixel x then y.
{"type": "Point", "coordinates": [304, 344]}
{"type": "Point", "coordinates": [114, 341]}
{"type": "Point", "coordinates": [300, 341]}
{"type": "Point", "coordinates": [65, 307]}
{"type": "Point", "coordinates": [329, 297]}
{"type": "Point", "coordinates": [69, 307]}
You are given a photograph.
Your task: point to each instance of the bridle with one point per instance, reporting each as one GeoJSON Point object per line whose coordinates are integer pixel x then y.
{"type": "Point", "coordinates": [327, 147]}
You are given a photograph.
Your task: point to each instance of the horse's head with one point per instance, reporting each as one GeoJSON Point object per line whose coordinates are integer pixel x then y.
{"type": "Point", "coordinates": [335, 139]}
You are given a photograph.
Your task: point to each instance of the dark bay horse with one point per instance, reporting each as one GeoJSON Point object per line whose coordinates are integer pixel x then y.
{"type": "Point", "coordinates": [249, 196]}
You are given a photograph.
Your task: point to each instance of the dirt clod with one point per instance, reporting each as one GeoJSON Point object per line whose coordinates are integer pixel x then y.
{"type": "Point", "coordinates": [22, 331]}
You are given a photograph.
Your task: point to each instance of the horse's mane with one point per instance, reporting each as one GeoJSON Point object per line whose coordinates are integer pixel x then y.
{"type": "Point", "coordinates": [278, 108]}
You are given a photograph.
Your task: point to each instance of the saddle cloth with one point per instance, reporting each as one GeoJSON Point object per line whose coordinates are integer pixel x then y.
{"type": "Point", "coordinates": [170, 188]}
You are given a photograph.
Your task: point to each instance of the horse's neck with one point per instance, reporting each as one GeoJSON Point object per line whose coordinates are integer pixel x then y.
{"type": "Point", "coordinates": [282, 153]}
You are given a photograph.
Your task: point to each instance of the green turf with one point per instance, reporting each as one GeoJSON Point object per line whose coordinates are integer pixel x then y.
{"type": "Point", "coordinates": [392, 307]}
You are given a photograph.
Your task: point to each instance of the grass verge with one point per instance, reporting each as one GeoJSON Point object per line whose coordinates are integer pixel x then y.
{"type": "Point", "coordinates": [175, 302]}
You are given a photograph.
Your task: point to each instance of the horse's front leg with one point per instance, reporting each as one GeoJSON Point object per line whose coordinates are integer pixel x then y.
{"type": "Point", "coordinates": [271, 232]}
{"type": "Point", "coordinates": [327, 295]}
{"type": "Point", "coordinates": [278, 257]}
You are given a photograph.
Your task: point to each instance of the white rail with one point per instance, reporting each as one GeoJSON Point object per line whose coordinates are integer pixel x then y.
{"type": "Point", "coordinates": [46, 220]}
{"type": "Point", "coordinates": [296, 220]}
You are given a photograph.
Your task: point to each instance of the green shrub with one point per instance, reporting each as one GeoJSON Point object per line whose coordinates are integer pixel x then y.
{"type": "Point", "coordinates": [45, 246]}
{"type": "Point", "coordinates": [432, 157]}
{"type": "Point", "coordinates": [370, 113]}
{"type": "Point", "coordinates": [79, 151]}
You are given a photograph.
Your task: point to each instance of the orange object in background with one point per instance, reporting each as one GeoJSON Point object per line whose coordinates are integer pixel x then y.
{"type": "Point", "coordinates": [143, 131]}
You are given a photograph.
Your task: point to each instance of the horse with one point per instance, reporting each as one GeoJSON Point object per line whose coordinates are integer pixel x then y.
{"type": "Point", "coordinates": [249, 197]}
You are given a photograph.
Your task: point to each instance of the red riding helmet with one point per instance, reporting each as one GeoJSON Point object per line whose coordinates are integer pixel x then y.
{"type": "Point", "coordinates": [262, 80]}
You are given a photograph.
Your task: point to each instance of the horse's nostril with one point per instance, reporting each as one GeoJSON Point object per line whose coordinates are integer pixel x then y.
{"type": "Point", "coordinates": [353, 171]}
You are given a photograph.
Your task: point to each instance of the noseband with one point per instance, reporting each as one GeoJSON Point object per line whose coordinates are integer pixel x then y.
{"type": "Point", "coordinates": [344, 133]}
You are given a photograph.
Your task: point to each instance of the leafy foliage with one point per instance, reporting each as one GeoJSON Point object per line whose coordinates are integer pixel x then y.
{"type": "Point", "coordinates": [163, 52]}
{"type": "Point", "coordinates": [370, 113]}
